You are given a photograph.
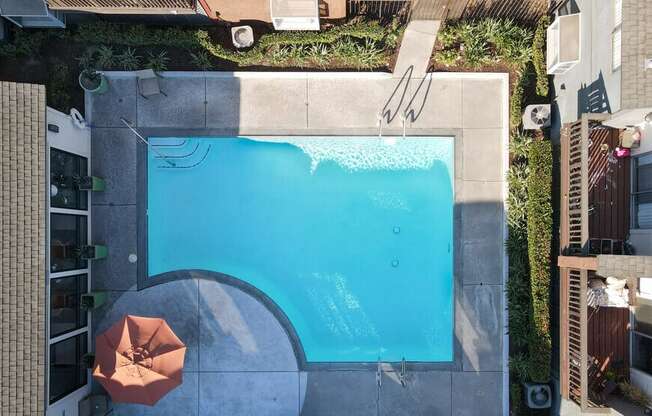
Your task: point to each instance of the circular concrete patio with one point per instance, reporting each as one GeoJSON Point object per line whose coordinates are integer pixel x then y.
{"type": "Point", "coordinates": [239, 358]}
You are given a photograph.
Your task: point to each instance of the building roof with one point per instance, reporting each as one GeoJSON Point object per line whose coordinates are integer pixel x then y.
{"type": "Point", "coordinates": [22, 229]}
{"type": "Point", "coordinates": [23, 8]}
{"type": "Point", "coordinates": [636, 48]}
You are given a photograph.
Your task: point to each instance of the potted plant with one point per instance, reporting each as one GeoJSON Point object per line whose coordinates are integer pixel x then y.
{"type": "Point", "coordinates": [90, 79]}
{"type": "Point", "coordinates": [90, 183]}
{"type": "Point", "coordinates": [92, 252]}
{"type": "Point", "coordinates": [92, 300]}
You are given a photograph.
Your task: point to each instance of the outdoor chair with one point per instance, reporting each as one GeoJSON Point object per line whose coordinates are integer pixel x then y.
{"type": "Point", "coordinates": [148, 83]}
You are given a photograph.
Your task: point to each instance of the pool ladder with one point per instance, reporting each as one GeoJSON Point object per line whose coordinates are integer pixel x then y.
{"type": "Point", "coordinates": [402, 375]}
{"type": "Point", "coordinates": [402, 117]}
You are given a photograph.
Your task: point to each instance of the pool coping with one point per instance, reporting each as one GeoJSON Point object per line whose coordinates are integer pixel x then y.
{"type": "Point", "coordinates": [144, 281]}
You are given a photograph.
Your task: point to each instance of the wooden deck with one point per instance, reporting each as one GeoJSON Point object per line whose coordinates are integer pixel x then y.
{"type": "Point", "coordinates": [608, 338]}
{"type": "Point", "coordinates": [594, 207]}
{"type": "Point", "coordinates": [609, 184]}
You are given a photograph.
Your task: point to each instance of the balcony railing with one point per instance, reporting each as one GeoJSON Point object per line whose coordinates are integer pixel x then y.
{"type": "Point", "coordinates": [125, 6]}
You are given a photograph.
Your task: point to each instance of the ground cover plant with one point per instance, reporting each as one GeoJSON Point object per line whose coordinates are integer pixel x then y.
{"type": "Point", "coordinates": [32, 55]}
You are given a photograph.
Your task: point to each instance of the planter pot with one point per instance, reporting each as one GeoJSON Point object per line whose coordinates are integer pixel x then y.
{"type": "Point", "coordinates": [93, 82]}
{"type": "Point", "coordinates": [93, 252]}
{"type": "Point", "coordinates": [92, 300]}
{"type": "Point", "coordinates": [91, 183]}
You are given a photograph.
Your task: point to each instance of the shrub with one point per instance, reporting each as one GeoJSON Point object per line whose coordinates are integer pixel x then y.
{"type": "Point", "coordinates": [539, 57]}
{"type": "Point", "coordinates": [539, 239]}
{"type": "Point", "coordinates": [105, 57]}
{"type": "Point", "coordinates": [477, 43]}
{"type": "Point", "coordinates": [518, 284]}
{"type": "Point", "coordinates": [57, 88]}
{"type": "Point", "coordinates": [201, 60]}
{"type": "Point", "coordinates": [359, 45]}
{"type": "Point", "coordinates": [516, 98]}
{"type": "Point", "coordinates": [634, 394]}
{"type": "Point", "coordinates": [157, 62]}
{"type": "Point", "coordinates": [128, 60]}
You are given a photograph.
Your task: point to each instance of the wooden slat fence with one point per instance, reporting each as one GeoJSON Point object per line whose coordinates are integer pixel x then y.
{"type": "Point", "coordinates": [144, 5]}
{"type": "Point", "coordinates": [527, 11]}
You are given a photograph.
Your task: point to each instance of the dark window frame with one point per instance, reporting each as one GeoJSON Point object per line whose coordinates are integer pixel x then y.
{"type": "Point", "coordinates": [82, 315]}
{"type": "Point", "coordinates": [81, 348]}
{"type": "Point", "coordinates": [634, 193]}
{"type": "Point", "coordinates": [82, 206]}
{"type": "Point", "coordinates": [82, 237]}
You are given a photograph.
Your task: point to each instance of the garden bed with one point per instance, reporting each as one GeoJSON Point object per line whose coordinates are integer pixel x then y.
{"type": "Point", "coordinates": [55, 57]}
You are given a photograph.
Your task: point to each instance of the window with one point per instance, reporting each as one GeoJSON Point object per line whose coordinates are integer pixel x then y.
{"type": "Point", "coordinates": [65, 313]}
{"type": "Point", "coordinates": [66, 169]}
{"type": "Point", "coordinates": [616, 36]}
{"type": "Point", "coordinates": [67, 369]}
{"type": "Point", "coordinates": [68, 233]}
{"type": "Point", "coordinates": [642, 192]}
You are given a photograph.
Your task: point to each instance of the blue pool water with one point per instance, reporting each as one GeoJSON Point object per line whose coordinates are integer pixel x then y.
{"type": "Point", "coordinates": [351, 237]}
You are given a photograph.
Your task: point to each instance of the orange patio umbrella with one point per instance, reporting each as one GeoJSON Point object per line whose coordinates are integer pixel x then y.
{"type": "Point", "coordinates": [138, 360]}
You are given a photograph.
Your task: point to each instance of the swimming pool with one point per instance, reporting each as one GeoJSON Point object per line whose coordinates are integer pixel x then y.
{"type": "Point", "coordinates": [352, 238]}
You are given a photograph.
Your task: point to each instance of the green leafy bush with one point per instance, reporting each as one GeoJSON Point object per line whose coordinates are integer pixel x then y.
{"type": "Point", "coordinates": [157, 62]}
{"type": "Point", "coordinates": [57, 88]}
{"type": "Point", "coordinates": [128, 60]}
{"type": "Point", "coordinates": [539, 231]}
{"type": "Point", "coordinates": [201, 60]}
{"type": "Point", "coordinates": [539, 58]}
{"type": "Point", "coordinates": [517, 96]}
{"type": "Point", "coordinates": [357, 45]}
{"type": "Point", "coordinates": [476, 43]}
{"type": "Point", "coordinates": [105, 57]}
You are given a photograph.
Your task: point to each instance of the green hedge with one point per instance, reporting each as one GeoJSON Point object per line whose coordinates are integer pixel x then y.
{"type": "Point", "coordinates": [539, 57]}
{"type": "Point", "coordinates": [539, 231]}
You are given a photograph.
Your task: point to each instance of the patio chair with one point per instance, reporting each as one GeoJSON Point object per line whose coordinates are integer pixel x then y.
{"type": "Point", "coordinates": [148, 83]}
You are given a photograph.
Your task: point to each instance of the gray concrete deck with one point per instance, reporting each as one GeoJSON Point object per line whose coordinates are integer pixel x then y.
{"type": "Point", "coordinates": [240, 359]}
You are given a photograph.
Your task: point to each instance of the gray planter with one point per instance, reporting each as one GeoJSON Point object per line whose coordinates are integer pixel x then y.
{"type": "Point", "coordinates": [93, 81]}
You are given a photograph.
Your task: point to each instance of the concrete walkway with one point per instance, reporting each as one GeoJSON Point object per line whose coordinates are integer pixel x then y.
{"type": "Point", "coordinates": [244, 368]}
{"type": "Point", "coordinates": [416, 48]}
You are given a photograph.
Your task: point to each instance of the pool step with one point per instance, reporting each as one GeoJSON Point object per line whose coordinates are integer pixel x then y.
{"type": "Point", "coordinates": [184, 153]}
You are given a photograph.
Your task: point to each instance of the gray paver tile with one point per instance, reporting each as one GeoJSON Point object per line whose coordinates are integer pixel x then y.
{"type": "Point", "coordinates": [355, 103]}
{"type": "Point", "coordinates": [184, 105]}
{"type": "Point", "coordinates": [483, 154]}
{"type": "Point", "coordinates": [437, 103]}
{"type": "Point", "coordinates": [479, 326]}
{"type": "Point", "coordinates": [113, 157]}
{"type": "Point", "coordinates": [238, 333]}
{"type": "Point", "coordinates": [119, 101]}
{"type": "Point", "coordinates": [115, 227]}
{"type": "Point", "coordinates": [180, 401]}
{"type": "Point", "coordinates": [249, 393]}
{"type": "Point", "coordinates": [252, 103]}
{"type": "Point", "coordinates": [477, 394]}
{"type": "Point", "coordinates": [427, 393]}
{"type": "Point", "coordinates": [336, 393]}
{"type": "Point", "coordinates": [482, 103]}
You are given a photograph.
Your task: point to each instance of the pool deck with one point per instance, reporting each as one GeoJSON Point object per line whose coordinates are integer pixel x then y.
{"type": "Point", "coordinates": [241, 360]}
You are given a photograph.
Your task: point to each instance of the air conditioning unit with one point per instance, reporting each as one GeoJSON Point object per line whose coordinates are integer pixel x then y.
{"type": "Point", "coordinates": [564, 43]}
{"type": "Point", "coordinates": [295, 14]}
{"type": "Point", "coordinates": [536, 116]}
